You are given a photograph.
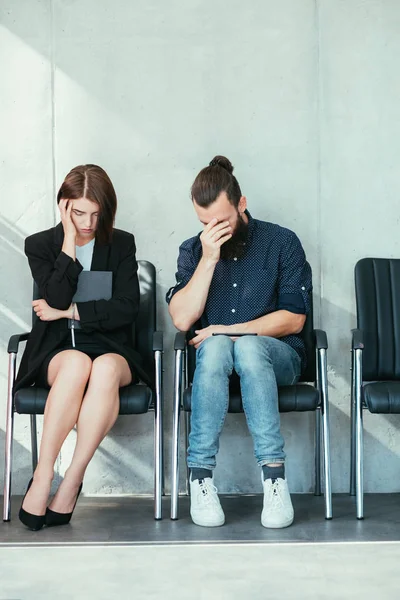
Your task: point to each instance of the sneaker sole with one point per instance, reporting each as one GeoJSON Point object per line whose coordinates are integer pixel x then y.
{"type": "Point", "coordinates": [286, 523]}
{"type": "Point", "coordinates": [208, 524]}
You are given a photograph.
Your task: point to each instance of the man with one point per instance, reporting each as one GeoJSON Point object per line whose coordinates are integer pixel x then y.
{"type": "Point", "coordinates": [240, 275]}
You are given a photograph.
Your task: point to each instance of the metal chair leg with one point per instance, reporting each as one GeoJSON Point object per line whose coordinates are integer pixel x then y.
{"type": "Point", "coordinates": [34, 445]}
{"type": "Point", "coordinates": [163, 459]}
{"type": "Point", "coordinates": [175, 434]}
{"type": "Point", "coordinates": [187, 470]}
{"type": "Point", "coordinates": [326, 434]}
{"type": "Point", "coordinates": [318, 441]}
{"type": "Point", "coordinates": [359, 451]}
{"type": "Point", "coordinates": [318, 434]}
{"type": "Point", "coordinates": [158, 439]}
{"type": "Point", "coordinates": [353, 428]}
{"type": "Point", "coordinates": [9, 438]}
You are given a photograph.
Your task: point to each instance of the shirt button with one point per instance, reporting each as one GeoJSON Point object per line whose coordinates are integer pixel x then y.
{"type": "Point", "coordinates": [235, 285]}
{"type": "Point", "coordinates": [303, 288]}
{"type": "Point", "coordinates": [233, 310]}
{"type": "Point", "coordinates": [235, 258]}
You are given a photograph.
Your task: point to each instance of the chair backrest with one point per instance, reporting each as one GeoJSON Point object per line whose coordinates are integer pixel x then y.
{"type": "Point", "coordinates": [377, 282]}
{"type": "Point", "coordinates": [146, 322]}
{"type": "Point", "coordinates": [307, 335]}
{"type": "Point", "coordinates": [145, 325]}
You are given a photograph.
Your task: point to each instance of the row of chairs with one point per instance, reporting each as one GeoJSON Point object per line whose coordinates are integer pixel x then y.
{"type": "Point", "coordinates": [375, 381]}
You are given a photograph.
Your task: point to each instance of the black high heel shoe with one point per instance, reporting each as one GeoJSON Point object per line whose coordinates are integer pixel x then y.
{"type": "Point", "coordinates": [53, 518]}
{"type": "Point", "coordinates": [33, 522]}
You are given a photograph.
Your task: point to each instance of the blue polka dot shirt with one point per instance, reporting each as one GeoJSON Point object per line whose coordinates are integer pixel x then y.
{"type": "Point", "coordinates": [272, 275]}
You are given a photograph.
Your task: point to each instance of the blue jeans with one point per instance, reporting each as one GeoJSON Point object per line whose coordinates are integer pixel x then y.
{"type": "Point", "coordinates": [262, 363]}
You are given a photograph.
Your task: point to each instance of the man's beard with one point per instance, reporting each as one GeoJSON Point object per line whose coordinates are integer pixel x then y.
{"type": "Point", "coordinates": [235, 247]}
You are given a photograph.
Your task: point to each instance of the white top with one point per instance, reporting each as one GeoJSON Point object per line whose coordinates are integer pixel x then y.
{"type": "Point", "coordinates": [84, 254]}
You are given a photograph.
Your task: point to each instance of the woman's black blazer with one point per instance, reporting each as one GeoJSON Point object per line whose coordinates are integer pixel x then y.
{"type": "Point", "coordinates": [108, 321]}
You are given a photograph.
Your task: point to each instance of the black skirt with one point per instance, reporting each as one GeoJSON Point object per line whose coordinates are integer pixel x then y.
{"type": "Point", "coordinates": [83, 343]}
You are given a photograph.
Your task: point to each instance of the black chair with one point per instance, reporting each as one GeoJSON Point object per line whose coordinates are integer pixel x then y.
{"type": "Point", "coordinates": [135, 399]}
{"type": "Point", "coordinates": [375, 355]}
{"type": "Point", "coordinates": [300, 397]}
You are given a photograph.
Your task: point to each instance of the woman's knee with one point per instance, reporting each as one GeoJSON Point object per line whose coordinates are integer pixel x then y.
{"type": "Point", "coordinates": [72, 364]}
{"type": "Point", "coordinates": [108, 370]}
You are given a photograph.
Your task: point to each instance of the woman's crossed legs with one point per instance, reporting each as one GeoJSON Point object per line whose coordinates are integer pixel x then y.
{"type": "Point", "coordinates": [93, 411]}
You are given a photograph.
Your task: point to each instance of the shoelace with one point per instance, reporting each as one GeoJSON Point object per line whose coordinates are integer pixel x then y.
{"type": "Point", "coordinates": [274, 497]}
{"type": "Point", "coordinates": [208, 491]}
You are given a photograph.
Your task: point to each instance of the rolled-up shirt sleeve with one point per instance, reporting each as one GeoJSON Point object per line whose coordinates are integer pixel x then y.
{"type": "Point", "coordinates": [295, 280]}
{"type": "Point", "coordinates": [187, 265]}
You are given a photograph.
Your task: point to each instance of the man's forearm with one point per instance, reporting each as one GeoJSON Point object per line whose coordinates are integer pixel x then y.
{"type": "Point", "coordinates": [277, 324]}
{"type": "Point", "coordinates": [187, 305]}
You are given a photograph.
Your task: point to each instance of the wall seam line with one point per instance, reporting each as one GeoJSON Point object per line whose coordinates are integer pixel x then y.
{"type": "Point", "coordinates": [53, 116]}
{"type": "Point", "coordinates": [319, 157]}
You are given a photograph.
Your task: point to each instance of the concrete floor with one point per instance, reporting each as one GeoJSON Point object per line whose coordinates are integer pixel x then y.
{"type": "Point", "coordinates": [113, 548]}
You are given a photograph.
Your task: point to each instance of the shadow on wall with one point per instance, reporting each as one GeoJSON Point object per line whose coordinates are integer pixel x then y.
{"type": "Point", "coordinates": [240, 474]}
{"type": "Point", "coordinates": [381, 432]}
{"type": "Point", "coordinates": [126, 456]}
{"type": "Point", "coordinates": [16, 288]}
{"type": "Point", "coordinates": [338, 323]}
{"type": "Point", "coordinates": [123, 470]}
{"type": "Point", "coordinates": [114, 468]}
{"type": "Point", "coordinates": [22, 465]}
{"type": "Point", "coordinates": [377, 453]}
{"type": "Point", "coordinates": [129, 465]}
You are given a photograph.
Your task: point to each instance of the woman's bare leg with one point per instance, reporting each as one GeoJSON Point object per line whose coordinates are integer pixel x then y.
{"type": "Point", "coordinates": [98, 414]}
{"type": "Point", "coordinates": [68, 374]}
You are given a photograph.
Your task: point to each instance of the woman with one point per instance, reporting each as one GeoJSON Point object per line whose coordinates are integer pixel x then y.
{"type": "Point", "coordinates": [84, 379]}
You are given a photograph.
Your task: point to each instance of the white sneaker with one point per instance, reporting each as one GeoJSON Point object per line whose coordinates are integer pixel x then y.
{"type": "Point", "coordinates": [205, 508]}
{"type": "Point", "coordinates": [277, 508]}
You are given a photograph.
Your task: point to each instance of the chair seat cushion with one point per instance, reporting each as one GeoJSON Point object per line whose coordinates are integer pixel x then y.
{"type": "Point", "coordinates": [134, 400]}
{"type": "Point", "coordinates": [300, 397]}
{"type": "Point", "coordinates": [382, 396]}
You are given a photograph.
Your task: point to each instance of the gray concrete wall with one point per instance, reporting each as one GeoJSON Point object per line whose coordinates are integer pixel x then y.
{"type": "Point", "coordinates": [302, 96]}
